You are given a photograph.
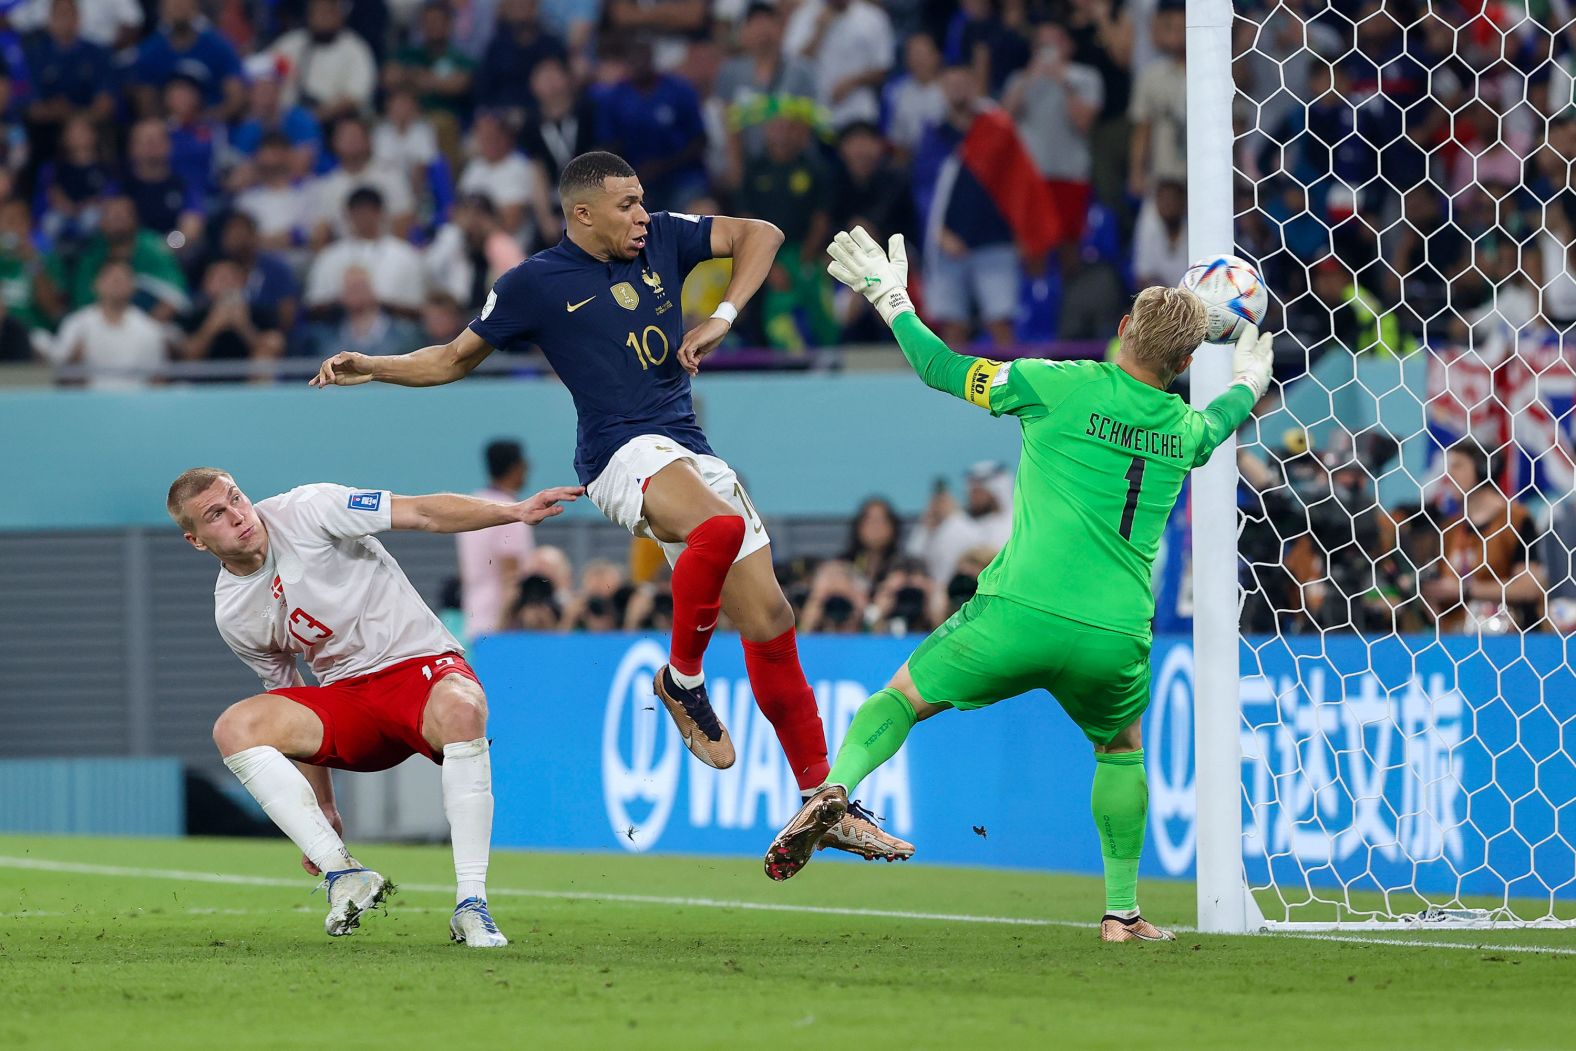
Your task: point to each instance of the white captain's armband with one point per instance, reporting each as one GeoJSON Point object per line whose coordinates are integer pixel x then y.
{"type": "Point", "coordinates": [982, 376]}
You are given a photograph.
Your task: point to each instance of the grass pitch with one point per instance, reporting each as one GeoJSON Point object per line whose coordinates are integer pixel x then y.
{"type": "Point", "coordinates": [115, 943]}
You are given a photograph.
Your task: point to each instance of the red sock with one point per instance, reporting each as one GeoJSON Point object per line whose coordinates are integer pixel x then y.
{"type": "Point", "coordinates": [785, 698]}
{"type": "Point", "coordinates": [698, 575]}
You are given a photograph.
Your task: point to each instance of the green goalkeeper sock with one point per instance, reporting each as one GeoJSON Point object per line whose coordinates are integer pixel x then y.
{"type": "Point", "coordinates": [1121, 804]}
{"type": "Point", "coordinates": [879, 729]}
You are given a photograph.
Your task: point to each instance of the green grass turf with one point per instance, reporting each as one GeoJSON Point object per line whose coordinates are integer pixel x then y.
{"type": "Point", "coordinates": [131, 961]}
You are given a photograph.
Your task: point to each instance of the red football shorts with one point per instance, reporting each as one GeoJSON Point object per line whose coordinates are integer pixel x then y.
{"type": "Point", "coordinates": [373, 722]}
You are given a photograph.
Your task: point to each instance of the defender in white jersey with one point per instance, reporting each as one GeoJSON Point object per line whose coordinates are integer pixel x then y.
{"type": "Point", "coordinates": [301, 573]}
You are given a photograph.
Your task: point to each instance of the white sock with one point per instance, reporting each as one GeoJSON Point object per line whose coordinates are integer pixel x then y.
{"type": "Point", "coordinates": [1125, 914]}
{"type": "Point", "coordinates": [688, 682]}
{"type": "Point", "coordinates": [289, 802]}
{"type": "Point", "coordinates": [468, 803]}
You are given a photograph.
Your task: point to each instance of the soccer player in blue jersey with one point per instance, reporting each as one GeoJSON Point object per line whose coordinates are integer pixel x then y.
{"type": "Point", "coordinates": [603, 306]}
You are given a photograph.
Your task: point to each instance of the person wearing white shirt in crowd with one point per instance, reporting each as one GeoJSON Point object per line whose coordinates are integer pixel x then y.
{"type": "Point", "coordinates": [947, 532]}
{"type": "Point", "coordinates": [303, 575]}
{"type": "Point", "coordinates": [283, 207]}
{"type": "Point", "coordinates": [119, 344]}
{"type": "Point", "coordinates": [516, 186]}
{"type": "Point", "coordinates": [114, 24]}
{"type": "Point", "coordinates": [393, 265]}
{"type": "Point", "coordinates": [916, 101]}
{"type": "Point", "coordinates": [352, 146]}
{"type": "Point", "coordinates": [469, 252]}
{"type": "Point", "coordinates": [1160, 255]}
{"type": "Point", "coordinates": [329, 69]}
{"type": "Point", "coordinates": [492, 561]}
{"type": "Point", "coordinates": [850, 43]}
{"type": "Point", "coordinates": [404, 138]}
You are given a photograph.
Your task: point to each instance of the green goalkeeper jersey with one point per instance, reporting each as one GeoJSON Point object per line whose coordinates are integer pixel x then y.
{"type": "Point", "coordinates": [1104, 458]}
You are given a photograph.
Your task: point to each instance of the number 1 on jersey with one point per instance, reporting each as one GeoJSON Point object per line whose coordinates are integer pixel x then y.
{"type": "Point", "coordinates": [1135, 480]}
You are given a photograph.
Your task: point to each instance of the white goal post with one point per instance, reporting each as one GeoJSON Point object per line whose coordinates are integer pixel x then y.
{"type": "Point", "coordinates": [1384, 701]}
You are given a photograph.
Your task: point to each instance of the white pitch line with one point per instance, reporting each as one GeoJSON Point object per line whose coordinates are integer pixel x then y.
{"type": "Point", "coordinates": [235, 879]}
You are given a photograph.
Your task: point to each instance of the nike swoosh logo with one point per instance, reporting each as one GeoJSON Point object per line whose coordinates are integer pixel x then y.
{"type": "Point", "coordinates": [708, 627]}
{"type": "Point", "coordinates": [572, 307]}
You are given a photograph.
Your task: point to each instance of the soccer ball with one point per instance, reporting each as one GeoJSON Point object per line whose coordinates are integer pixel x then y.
{"type": "Point", "coordinates": [1232, 293]}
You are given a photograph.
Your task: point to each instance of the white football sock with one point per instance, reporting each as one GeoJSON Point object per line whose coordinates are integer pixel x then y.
{"type": "Point", "coordinates": [468, 802]}
{"type": "Point", "coordinates": [290, 803]}
{"type": "Point", "coordinates": [687, 682]}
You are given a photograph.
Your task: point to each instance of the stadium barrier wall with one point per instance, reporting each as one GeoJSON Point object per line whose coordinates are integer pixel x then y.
{"type": "Point", "coordinates": [1401, 745]}
{"type": "Point", "coordinates": [100, 797]}
{"type": "Point", "coordinates": [805, 445]}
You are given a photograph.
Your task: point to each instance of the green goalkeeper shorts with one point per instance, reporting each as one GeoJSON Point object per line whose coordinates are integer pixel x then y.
{"type": "Point", "coordinates": [994, 648]}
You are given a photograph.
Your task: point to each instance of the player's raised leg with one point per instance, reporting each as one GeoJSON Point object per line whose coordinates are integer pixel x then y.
{"type": "Point", "coordinates": [455, 723]}
{"type": "Point", "coordinates": [258, 737]}
{"type": "Point", "coordinates": [680, 507]}
{"type": "Point", "coordinates": [1120, 802]}
{"type": "Point", "coordinates": [755, 603]}
{"type": "Point", "coordinates": [879, 729]}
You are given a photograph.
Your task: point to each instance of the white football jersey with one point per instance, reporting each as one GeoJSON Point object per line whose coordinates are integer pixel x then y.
{"type": "Point", "coordinates": [327, 590]}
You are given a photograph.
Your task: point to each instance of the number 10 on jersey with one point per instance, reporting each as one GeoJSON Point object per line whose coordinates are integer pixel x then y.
{"type": "Point", "coordinates": [641, 345]}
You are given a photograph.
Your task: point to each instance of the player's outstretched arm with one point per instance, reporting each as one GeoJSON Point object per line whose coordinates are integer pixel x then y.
{"type": "Point", "coordinates": [1251, 364]}
{"type": "Point", "coordinates": [427, 367]}
{"type": "Point", "coordinates": [453, 513]}
{"type": "Point", "coordinates": [752, 245]}
{"type": "Point", "coordinates": [882, 278]}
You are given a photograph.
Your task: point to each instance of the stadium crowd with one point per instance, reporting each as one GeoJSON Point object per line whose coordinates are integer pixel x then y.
{"type": "Point", "coordinates": [246, 179]}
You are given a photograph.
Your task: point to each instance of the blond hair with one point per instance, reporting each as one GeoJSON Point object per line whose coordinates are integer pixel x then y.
{"type": "Point", "coordinates": [188, 485]}
{"type": "Point", "coordinates": [1167, 325]}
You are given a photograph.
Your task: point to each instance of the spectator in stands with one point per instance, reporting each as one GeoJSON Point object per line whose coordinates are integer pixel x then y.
{"type": "Point", "coordinates": [971, 261]}
{"type": "Point", "coordinates": [787, 185]}
{"type": "Point", "coordinates": [1159, 107]}
{"type": "Point", "coordinates": [185, 42]}
{"type": "Point", "coordinates": [159, 285]}
{"type": "Point", "coordinates": [915, 101]}
{"type": "Point", "coordinates": [328, 68]}
{"type": "Point", "coordinates": [946, 532]}
{"type": "Point", "coordinates": [223, 326]}
{"type": "Point", "coordinates": [1556, 553]}
{"type": "Point", "coordinates": [561, 126]}
{"type": "Point", "coordinates": [469, 252]}
{"type": "Point", "coordinates": [267, 114]}
{"type": "Point", "coordinates": [21, 261]}
{"type": "Point", "coordinates": [873, 539]}
{"type": "Point", "coordinates": [503, 80]}
{"type": "Point", "coordinates": [575, 22]}
{"type": "Point", "coordinates": [283, 207]}
{"type": "Point", "coordinates": [904, 601]}
{"type": "Point", "coordinates": [164, 201]}
{"type": "Point", "coordinates": [267, 280]}
{"type": "Point", "coordinates": [70, 77]}
{"type": "Point", "coordinates": [850, 44]}
{"type": "Point", "coordinates": [393, 266]}
{"type": "Point", "coordinates": [1054, 103]}
{"type": "Point", "coordinates": [1487, 566]}
{"type": "Point", "coordinates": [537, 607]}
{"type": "Point", "coordinates": [196, 138]}
{"type": "Point", "coordinates": [517, 187]}
{"type": "Point", "coordinates": [404, 139]}
{"type": "Point", "coordinates": [442, 317]}
{"type": "Point", "coordinates": [111, 24]}
{"type": "Point", "coordinates": [1160, 255]}
{"type": "Point", "coordinates": [749, 81]}
{"type": "Point", "coordinates": [16, 147]}
{"type": "Point", "coordinates": [868, 188]}
{"type": "Point", "coordinates": [1425, 255]}
{"type": "Point", "coordinates": [119, 345]}
{"type": "Point", "coordinates": [670, 25]}
{"type": "Point", "coordinates": [653, 120]}
{"type": "Point", "coordinates": [16, 342]}
{"type": "Point", "coordinates": [492, 560]}
{"type": "Point", "coordinates": [595, 606]}
{"type": "Point", "coordinates": [979, 36]}
{"type": "Point", "coordinates": [837, 602]}
{"type": "Point", "coordinates": [438, 72]}
{"type": "Point", "coordinates": [75, 183]}
{"type": "Point", "coordinates": [1352, 316]}
{"type": "Point", "coordinates": [366, 327]}
{"type": "Point", "coordinates": [352, 145]}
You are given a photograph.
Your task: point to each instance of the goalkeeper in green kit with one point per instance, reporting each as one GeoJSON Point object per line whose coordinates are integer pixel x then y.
{"type": "Point", "coordinates": [1066, 606]}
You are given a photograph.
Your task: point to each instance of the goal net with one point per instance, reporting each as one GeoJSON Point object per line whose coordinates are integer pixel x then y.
{"type": "Point", "coordinates": [1401, 175]}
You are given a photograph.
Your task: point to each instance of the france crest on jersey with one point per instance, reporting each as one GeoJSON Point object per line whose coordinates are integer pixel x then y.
{"type": "Point", "coordinates": [611, 330]}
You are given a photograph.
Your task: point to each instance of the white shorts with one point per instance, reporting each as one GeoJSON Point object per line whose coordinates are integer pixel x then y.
{"type": "Point", "coordinates": [619, 492]}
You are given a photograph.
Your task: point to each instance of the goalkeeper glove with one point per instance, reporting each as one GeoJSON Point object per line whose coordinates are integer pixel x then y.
{"type": "Point", "coordinates": [881, 277]}
{"type": "Point", "coordinates": [1252, 361]}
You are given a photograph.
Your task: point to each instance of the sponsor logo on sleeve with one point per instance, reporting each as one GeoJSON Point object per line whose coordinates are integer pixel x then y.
{"type": "Point", "coordinates": [365, 501]}
{"type": "Point", "coordinates": [492, 301]}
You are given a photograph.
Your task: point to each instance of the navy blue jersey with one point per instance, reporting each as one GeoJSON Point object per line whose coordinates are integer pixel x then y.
{"type": "Point", "coordinates": [611, 330]}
